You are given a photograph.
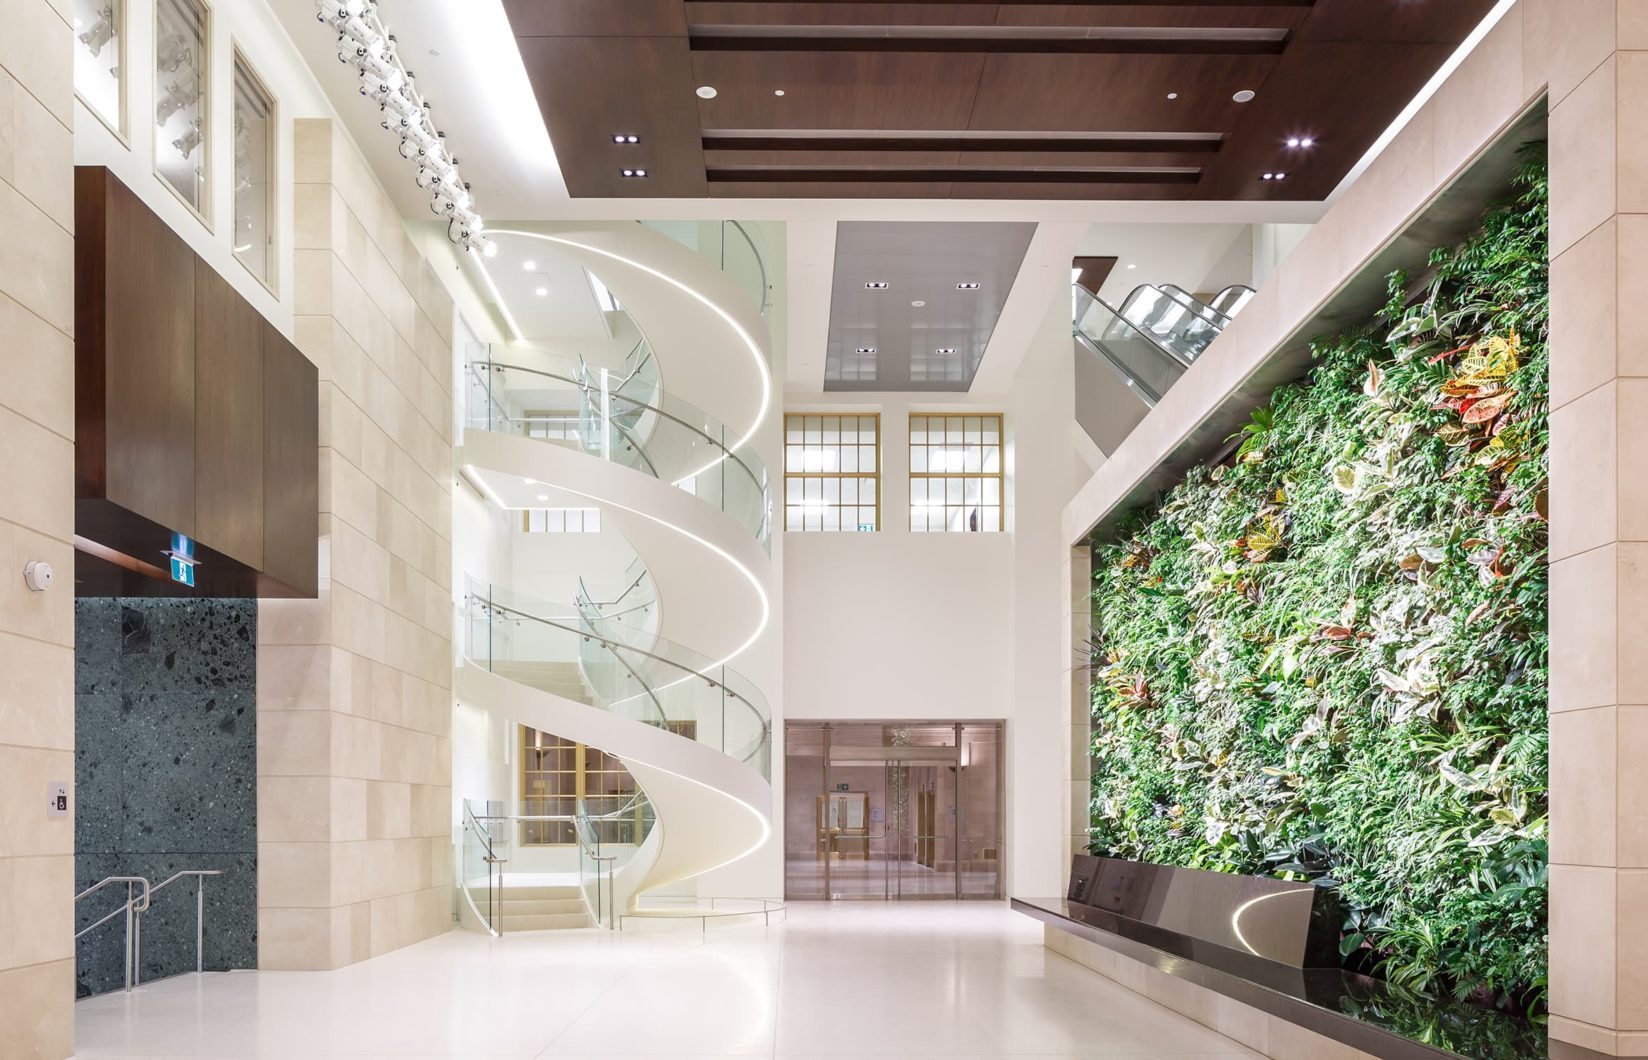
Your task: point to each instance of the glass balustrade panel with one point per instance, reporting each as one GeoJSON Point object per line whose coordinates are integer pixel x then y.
{"type": "Point", "coordinates": [1137, 355]}
{"type": "Point", "coordinates": [666, 685]}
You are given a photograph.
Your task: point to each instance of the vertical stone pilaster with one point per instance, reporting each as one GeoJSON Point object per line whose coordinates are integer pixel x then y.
{"type": "Point", "coordinates": [36, 523]}
{"type": "Point", "coordinates": [354, 689]}
{"type": "Point", "coordinates": [1593, 54]}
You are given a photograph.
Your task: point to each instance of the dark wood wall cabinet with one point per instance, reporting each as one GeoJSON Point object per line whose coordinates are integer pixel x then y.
{"type": "Point", "coordinates": [193, 415]}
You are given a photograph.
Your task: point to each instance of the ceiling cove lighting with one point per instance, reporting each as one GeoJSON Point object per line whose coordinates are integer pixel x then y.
{"type": "Point", "coordinates": [365, 44]}
{"type": "Point", "coordinates": [754, 348]}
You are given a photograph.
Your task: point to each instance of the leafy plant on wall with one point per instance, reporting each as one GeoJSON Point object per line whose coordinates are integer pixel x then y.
{"type": "Point", "coordinates": [1325, 658]}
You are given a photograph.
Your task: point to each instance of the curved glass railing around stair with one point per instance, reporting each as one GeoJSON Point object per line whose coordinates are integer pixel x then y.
{"type": "Point", "coordinates": [1148, 367]}
{"type": "Point", "coordinates": [606, 843]}
{"type": "Point", "coordinates": [536, 394]}
{"type": "Point", "coordinates": [736, 248]}
{"type": "Point", "coordinates": [484, 853]}
{"type": "Point", "coordinates": [629, 615]}
{"type": "Point", "coordinates": [664, 685]}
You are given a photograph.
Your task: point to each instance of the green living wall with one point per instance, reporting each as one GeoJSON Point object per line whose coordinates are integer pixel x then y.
{"type": "Point", "coordinates": [1325, 658]}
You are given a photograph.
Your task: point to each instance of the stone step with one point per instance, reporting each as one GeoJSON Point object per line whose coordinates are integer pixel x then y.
{"type": "Point", "coordinates": [543, 922]}
{"type": "Point", "coordinates": [541, 893]}
{"type": "Point", "coordinates": [541, 906]}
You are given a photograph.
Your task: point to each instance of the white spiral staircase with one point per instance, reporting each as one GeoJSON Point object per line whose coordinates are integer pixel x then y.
{"type": "Point", "coordinates": [685, 488]}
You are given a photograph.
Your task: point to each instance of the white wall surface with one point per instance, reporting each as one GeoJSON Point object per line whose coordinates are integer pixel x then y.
{"type": "Point", "coordinates": [894, 625]}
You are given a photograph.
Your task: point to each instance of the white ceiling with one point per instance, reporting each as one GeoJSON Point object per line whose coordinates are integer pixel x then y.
{"type": "Point", "coordinates": [566, 310]}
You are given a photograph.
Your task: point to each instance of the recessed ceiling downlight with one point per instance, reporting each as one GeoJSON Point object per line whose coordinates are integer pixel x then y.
{"type": "Point", "coordinates": [945, 351]}
{"type": "Point", "coordinates": [1246, 95]}
{"type": "Point", "coordinates": [918, 303]}
{"type": "Point", "coordinates": [967, 286]}
{"type": "Point", "coordinates": [706, 92]}
{"type": "Point", "coordinates": [875, 285]}
{"type": "Point", "coordinates": [866, 349]}
{"type": "Point", "coordinates": [529, 265]}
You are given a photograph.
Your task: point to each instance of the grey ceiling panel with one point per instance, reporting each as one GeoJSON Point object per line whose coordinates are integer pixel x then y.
{"type": "Point", "coordinates": [926, 262]}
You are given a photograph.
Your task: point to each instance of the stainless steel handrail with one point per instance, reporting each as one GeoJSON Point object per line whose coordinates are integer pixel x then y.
{"type": "Point", "coordinates": [136, 905]}
{"type": "Point", "coordinates": [584, 387]}
{"type": "Point", "coordinates": [129, 906]}
{"type": "Point", "coordinates": [491, 919]}
{"type": "Point", "coordinates": [615, 647]}
{"type": "Point", "coordinates": [760, 263]}
{"type": "Point", "coordinates": [200, 917]}
{"type": "Point", "coordinates": [610, 645]}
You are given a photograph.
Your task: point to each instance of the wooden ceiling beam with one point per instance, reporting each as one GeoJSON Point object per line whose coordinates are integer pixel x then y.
{"type": "Point", "coordinates": [937, 174]}
{"type": "Point", "coordinates": [1009, 143]}
{"type": "Point", "coordinates": [713, 39]}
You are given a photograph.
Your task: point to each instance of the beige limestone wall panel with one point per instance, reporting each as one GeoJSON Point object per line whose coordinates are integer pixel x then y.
{"type": "Point", "coordinates": [36, 523]}
{"type": "Point", "coordinates": [378, 668]}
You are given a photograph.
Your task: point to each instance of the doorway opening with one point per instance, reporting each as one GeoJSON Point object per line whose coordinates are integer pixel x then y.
{"type": "Point", "coordinates": [893, 810]}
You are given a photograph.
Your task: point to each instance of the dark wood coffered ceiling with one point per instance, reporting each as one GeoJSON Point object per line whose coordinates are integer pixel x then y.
{"type": "Point", "coordinates": [976, 99]}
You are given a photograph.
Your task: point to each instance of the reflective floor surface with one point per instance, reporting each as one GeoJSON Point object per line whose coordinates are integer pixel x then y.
{"type": "Point", "coordinates": [930, 979]}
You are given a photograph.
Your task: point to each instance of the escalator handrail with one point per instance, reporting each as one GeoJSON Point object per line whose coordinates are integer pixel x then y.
{"type": "Point", "coordinates": [1147, 393]}
{"type": "Point", "coordinates": [1083, 292]}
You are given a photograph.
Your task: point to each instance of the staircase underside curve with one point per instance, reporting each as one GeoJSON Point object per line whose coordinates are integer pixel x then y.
{"type": "Point", "coordinates": [713, 579]}
{"type": "Point", "coordinates": [712, 344]}
{"type": "Point", "coordinates": [711, 809]}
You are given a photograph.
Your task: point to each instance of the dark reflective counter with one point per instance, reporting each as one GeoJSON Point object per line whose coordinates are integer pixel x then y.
{"type": "Point", "coordinates": [1361, 1012]}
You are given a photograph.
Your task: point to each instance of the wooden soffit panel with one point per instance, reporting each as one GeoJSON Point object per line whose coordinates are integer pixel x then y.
{"type": "Point", "coordinates": [836, 98]}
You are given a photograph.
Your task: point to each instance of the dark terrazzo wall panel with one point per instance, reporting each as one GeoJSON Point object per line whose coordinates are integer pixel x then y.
{"type": "Point", "coordinates": [166, 778]}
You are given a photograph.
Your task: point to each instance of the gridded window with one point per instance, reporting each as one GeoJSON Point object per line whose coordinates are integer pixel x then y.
{"type": "Point", "coordinates": [551, 424]}
{"type": "Point", "coordinates": [832, 472]}
{"type": "Point", "coordinates": [955, 473]}
{"type": "Point", "coordinates": [562, 521]}
{"type": "Point", "coordinates": [556, 773]}
{"type": "Point", "coordinates": [254, 172]}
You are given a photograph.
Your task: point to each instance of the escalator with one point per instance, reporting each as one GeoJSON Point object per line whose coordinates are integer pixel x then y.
{"type": "Point", "coordinates": [1129, 357]}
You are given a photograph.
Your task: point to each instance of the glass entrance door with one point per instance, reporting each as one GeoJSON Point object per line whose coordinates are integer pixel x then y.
{"type": "Point", "coordinates": [904, 810]}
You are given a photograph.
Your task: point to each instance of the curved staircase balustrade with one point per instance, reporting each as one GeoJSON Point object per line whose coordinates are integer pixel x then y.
{"type": "Point", "coordinates": [665, 438]}
{"type": "Point", "coordinates": [666, 686]}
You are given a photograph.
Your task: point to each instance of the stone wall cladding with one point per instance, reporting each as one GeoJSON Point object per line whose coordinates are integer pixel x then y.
{"type": "Point", "coordinates": [354, 689]}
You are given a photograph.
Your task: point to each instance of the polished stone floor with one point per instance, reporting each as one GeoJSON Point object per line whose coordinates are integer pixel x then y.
{"type": "Point", "coordinates": [926, 979]}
